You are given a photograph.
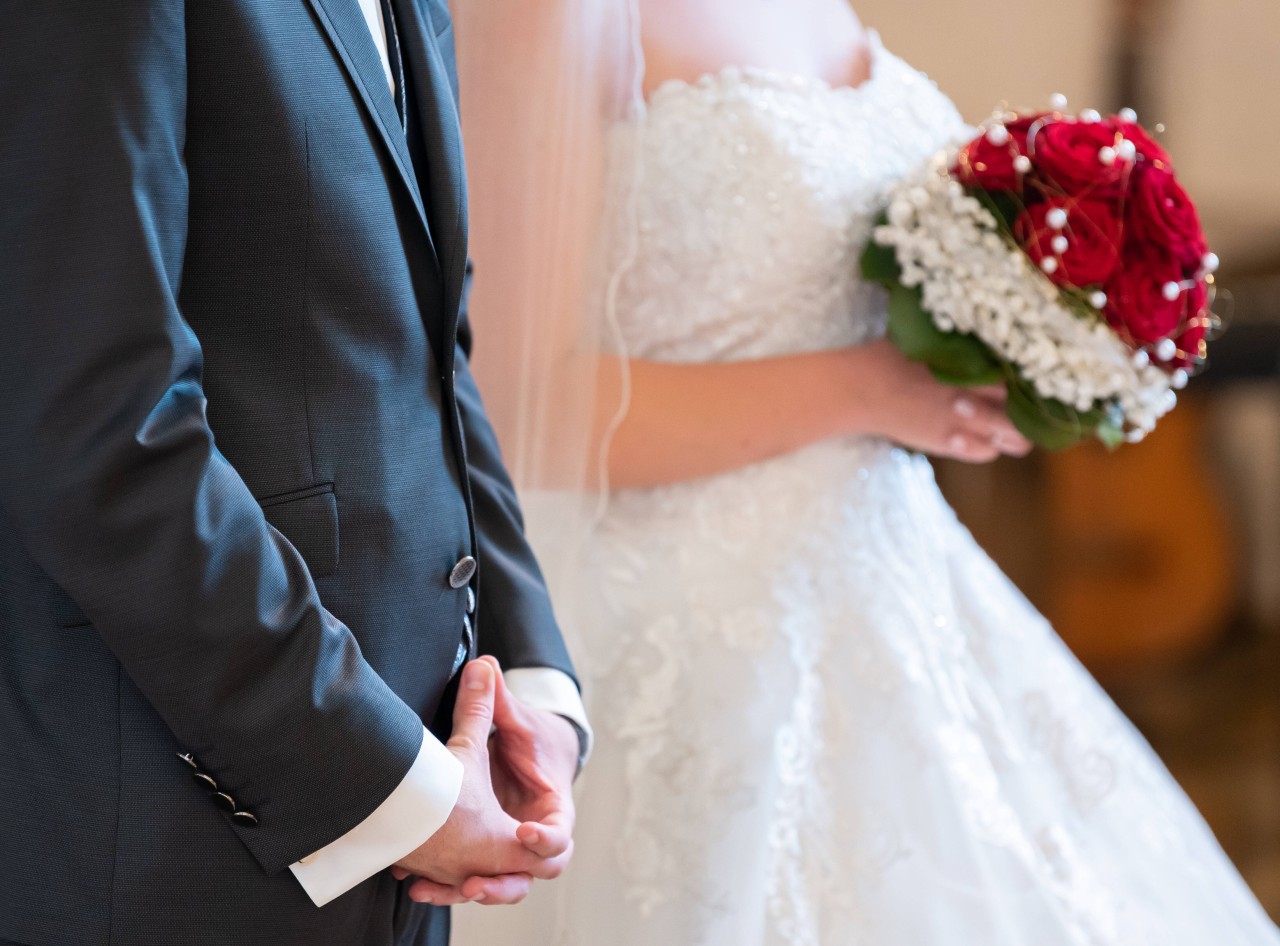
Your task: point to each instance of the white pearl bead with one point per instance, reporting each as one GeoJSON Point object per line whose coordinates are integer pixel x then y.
{"type": "Point", "coordinates": [1049, 265]}
{"type": "Point", "coordinates": [1098, 299]}
{"type": "Point", "coordinates": [1166, 349]}
{"type": "Point", "coordinates": [1090, 116]}
{"type": "Point", "coordinates": [1179, 379]}
{"type": "Point", "coordinates": [1137, 435]}
{"type": "Point", "coordinates": [1171, 291]}
{"type": "Point", "coordinates": [1022, 164]}
{"type": "Point", "coordinates": [1056, 218]}
{"type": "Point", "coordinates": [1210, 263]}
{"type": "Point", "coordinates": [1126, 150]}
{"type": "Point", "coordinates": [1060, 244]}
{"type": "Point", "coordinates": [1107, 155]}
{"type": "Point", "coordinates": [1170, 401]}
{"type": "Point", "coordinates": [1128, 115]}
{"type": "Point", "coordinates": [1057, 101]}
{"type": "Point", "coordinates": [1141, 359]}
{"type": "Point", "coordinates": [998, 135]}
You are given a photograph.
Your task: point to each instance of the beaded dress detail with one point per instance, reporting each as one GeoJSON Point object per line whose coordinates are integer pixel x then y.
{"type": "Point", "coordinates": [823, 716]}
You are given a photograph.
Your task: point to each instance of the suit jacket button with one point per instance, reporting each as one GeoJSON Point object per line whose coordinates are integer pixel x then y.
{"type": "Point", "coordinates": [471, 601]}
{"type": "Point", "coordinates": [463, 572]}
{"type": "Point", "coordinates": [224, 801]}
{"type": "Point", "coordinates": [205, 780]}
{"type": "Point", "coordinates": [245, 819]}
{"type": "Point", "coordinates": [188, 758]}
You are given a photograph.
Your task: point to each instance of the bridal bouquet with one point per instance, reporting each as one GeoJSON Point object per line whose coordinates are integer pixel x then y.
{"type": "Point", "coordinates": [1058, 255]}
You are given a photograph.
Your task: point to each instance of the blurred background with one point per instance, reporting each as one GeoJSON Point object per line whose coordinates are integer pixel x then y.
{"type": "Point", "coordinates": [1159, 565]}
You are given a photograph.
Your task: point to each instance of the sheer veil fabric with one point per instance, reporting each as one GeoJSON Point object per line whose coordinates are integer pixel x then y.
{"type": "Point", "coordinates": [543, 86]}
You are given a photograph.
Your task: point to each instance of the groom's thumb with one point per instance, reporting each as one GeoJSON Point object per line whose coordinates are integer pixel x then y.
{"type": "Point", "coordinates": [473, 712]}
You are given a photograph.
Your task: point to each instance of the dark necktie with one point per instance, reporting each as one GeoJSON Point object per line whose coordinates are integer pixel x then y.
{"type": "Point", "coordinates": [406, 102]}
{"type": "Point", "coordinates": [397, 63]}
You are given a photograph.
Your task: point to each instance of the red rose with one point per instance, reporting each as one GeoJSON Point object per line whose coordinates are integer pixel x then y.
{"type": "Point", "coordinates": [1191, 341]}
{"type": "Point", "coordinates": [1137, 307]}
{"type": "Point", "coordinates": [1162, 217]}
{"type": "Point", "coordinates": [1146, 145]}
{"type": "Point", "coordinates": [1093, 239]}
{"type": "Point", "coordinates": [1067, 154]}
{"type": "Point", "coordinates": [991, 166]}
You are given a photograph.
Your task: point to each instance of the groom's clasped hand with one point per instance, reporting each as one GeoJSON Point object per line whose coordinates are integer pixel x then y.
{"type": "Point", "coordinates": [513, 822]}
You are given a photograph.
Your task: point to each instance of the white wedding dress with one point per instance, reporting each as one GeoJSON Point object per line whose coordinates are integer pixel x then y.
{"type": "Point", "coordinates": [824, 717]}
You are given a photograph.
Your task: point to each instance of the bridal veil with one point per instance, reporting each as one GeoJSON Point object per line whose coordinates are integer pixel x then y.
{"type": "Point", "coordinates": [544, 83]}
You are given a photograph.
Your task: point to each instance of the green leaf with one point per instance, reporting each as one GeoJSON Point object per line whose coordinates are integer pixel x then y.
{"type": "Point", "coordinates": [953, 357]}
{"type": "Point", "coordinates": [1005, 205]}
{"type": "Point", "coordinates": [1110, 434]}
{"type": "Point", "coordinates": [1047, 422]}
{"type": "Point", "coordinates": [880, 264]}
{"type": "Point", "coordinates": [991, 374]}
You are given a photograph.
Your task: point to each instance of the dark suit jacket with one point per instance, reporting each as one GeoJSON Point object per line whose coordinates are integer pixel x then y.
{"type": "Point", "coordinates": [240, 452]}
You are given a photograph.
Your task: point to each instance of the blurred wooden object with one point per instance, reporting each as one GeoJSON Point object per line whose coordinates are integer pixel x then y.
{"type": "Point", "coordinates": [1140, 566]}
{"type": "Point", "coordinates": [1130, 554]}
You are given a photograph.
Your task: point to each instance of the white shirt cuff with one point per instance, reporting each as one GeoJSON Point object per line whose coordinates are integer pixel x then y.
{"type": "Point", "coordinates": [552, 690]}
{"type": "Point", "coordinates": [414, 811]}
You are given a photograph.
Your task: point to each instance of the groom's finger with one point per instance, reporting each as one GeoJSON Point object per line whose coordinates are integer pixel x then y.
{"type": "Point", "coordinates": [497, 891]}
{"type": "Point", "coordinates": [428, 891]}
{"type": "Point", "coordinates": [507, 710]}
{"type": "Point", "coordinates": [545, 840]}
{"type": "Point", "coordinates": [552, 867]}
{"type": "Point", "coordinates": [473, 712]}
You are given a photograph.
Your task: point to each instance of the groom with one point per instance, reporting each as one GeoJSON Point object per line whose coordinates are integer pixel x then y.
{"type": "Point", "coordinates": [253, 521]}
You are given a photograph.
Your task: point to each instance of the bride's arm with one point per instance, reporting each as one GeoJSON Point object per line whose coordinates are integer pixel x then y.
{"type": "Point", "coordinates": [691, 420]}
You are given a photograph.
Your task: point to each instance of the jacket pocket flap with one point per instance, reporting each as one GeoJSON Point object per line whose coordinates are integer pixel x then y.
{"type": "Point", "coordinates": [308, 518]}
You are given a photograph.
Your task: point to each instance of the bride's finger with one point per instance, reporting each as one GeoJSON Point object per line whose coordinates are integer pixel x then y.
{"type": "Point", "coordinates": [977, 416]}
{"type": "Point", "coordinates": [1005, 436]}
{"type": "Point", "coordinates": [969, 448]}
{"type": "Point", "coordinates": [984, 420]}
{"type": "Point", "coordinates": [996, 393]}
{"type": "Point", "coordinates": [1013, 443]}
{"type": "Point", "coordinates": [974, 433]}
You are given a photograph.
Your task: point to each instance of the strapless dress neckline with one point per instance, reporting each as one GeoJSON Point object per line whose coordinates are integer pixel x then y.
{"type": "Point", "coordinates": [770, 77]}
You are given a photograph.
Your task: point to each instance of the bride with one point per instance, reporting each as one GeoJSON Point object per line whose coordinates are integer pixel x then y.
{"type": "Point", "coordinates": [823, 716]}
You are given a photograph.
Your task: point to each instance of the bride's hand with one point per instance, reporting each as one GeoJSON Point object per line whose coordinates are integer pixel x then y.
{"type": "Point", "coordinates": [904, 402]}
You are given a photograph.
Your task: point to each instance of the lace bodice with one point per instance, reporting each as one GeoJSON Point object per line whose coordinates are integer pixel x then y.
{"type": "Point", "coordinates": [756, 197]}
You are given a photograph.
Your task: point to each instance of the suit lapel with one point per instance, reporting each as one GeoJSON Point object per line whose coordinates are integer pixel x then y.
{"type": "Point", "coordinates": [349, 32]}
{"type": "Point", "coordinates": [437, 115]}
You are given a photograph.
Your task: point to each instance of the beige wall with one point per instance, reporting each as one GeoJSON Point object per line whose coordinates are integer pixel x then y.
{"type": "Point", "coordinates": [1220, 80]}
{"type": "Point", "coordinates": [1218, 84]}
